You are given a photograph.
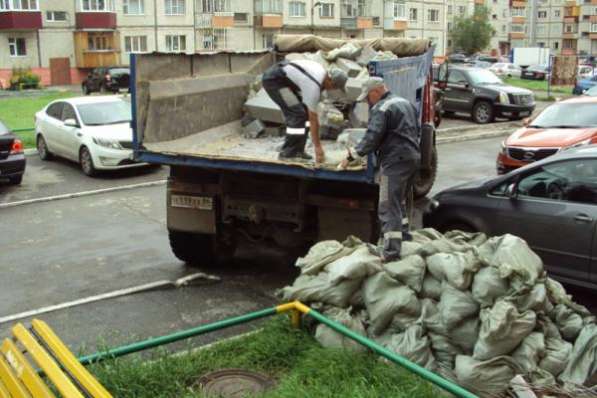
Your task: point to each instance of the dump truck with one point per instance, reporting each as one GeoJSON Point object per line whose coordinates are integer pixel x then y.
{"type": "Point", "coordinates": [225, 188]}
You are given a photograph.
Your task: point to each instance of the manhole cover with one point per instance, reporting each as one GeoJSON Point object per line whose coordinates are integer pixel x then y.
{"type": "Point", "coordinates": [234, 383]}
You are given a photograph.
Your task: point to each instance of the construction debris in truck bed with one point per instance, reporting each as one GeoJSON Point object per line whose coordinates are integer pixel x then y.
{"type": "Point", "coordinates": [227, 142]}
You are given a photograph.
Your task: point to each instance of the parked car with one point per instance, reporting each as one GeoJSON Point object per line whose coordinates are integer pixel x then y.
{"type": "Point", "coordinates": [506, 69]}
{"type": "Point", "coordinates": [457, 58]}
{"type": "Point", "coordinates": [585, 71]}
{"type": "Point", "coordinates": [112, 79]}
{"type": "Point", "coordinates": [12, 157]}
{"type": "Point", "coordinates": [535, 72]}
{"type": "Point", "coordinates": [564, 124]}
{"type": "Point", "coordinates": [483, 95]}
{"type": "Point", "coordinates": [93, 131]}
{"type": "Point", "coordinates": [592, 92]}
{"type": "Point", "coordinates": [552, 204]}
{"type": "Point", "coordinates": [584, 84]}
{"type": "Point", "coordinates": [482, 64]}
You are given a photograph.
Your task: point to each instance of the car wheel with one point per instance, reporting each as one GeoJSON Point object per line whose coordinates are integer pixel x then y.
{"type": "Point", "coordinates": [42, 148]}
{"type": "Point", "coordinates": [16, 180]}
{"type": "Point", "coordinates": [86, 162]}
{"type": "Point", "coordinates": [483, 112]}
{"type": "Point", "coordinates": [194, 249]}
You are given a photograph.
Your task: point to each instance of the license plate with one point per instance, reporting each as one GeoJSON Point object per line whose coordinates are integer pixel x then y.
{"type": "Point", "coordinates": [523, 113]}
{"type": "Point", "coordinates": [192, 202]}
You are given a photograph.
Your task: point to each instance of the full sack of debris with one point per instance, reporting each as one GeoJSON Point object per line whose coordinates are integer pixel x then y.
{"type": "Point", "coordinates": [480, 311]}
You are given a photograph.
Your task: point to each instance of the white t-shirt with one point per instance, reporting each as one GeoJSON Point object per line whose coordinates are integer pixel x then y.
{"type": "Point", "coordinates": [310, 91]}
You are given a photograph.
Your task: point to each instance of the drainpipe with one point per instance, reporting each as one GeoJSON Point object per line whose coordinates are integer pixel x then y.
{"type": "Point", "coordinates": [38, 49]}
{"type": "Point", "coordinates": [155, 23]}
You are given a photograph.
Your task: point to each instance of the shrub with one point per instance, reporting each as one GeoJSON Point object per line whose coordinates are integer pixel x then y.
{"type": "Point", "coordinates": [23, 79]}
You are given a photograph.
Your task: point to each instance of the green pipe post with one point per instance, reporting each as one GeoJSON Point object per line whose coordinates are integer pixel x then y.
{"type": "Point", "coordinates": [22, 130]}
{"type": "Point", "coordinates": [171, 338]}
{"type": "Point", "coordinates": [410, 366]}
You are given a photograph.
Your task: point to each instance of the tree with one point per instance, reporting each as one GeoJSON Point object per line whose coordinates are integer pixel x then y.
{"type": "Point", "coordinates": [472, 34]}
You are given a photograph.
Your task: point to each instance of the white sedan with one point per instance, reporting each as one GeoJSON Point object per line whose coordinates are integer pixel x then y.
{"type": "Point", "coordinates": [506, 69]}
{"type": "Point", "coordinates": [93, 131]}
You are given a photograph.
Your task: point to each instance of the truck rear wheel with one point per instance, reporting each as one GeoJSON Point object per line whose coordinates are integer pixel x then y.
{"type": "Point", "coordinates": [195, 250]}
{"type": "Point", "coordinates": [426, 177]}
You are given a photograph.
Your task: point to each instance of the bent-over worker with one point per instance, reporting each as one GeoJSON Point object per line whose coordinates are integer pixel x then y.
{"type": "Point", "coordinates": [296, 87]}
{"type": "Point", "coordinates": [394, 134]}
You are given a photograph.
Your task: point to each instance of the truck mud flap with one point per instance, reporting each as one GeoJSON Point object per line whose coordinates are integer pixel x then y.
{"type": "Point", "coordinates": [427, 145]}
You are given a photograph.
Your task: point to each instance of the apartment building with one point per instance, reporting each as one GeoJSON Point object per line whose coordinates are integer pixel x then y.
{"type": "Point", "coordinates": [63, 39]}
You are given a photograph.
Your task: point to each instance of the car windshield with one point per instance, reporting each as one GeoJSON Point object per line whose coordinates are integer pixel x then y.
{"type": "Point", "coordinates": [119, 71]}
{"type": "Point", "coordinates": [482, 76]}
{"type": "Point", "coordinates": [103, 113]}
{"type": "Point", "coordinates": [570, 115]}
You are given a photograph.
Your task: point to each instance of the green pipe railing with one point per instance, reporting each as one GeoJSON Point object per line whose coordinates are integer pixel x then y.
{"type": "Point", "coordinates": [23, 130]}
{"type": "Point", "coordinates": [296, 308]}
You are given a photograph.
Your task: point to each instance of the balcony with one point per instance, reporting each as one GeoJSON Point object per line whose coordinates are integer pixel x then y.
{"type": "Point", "coordinates": [518, 4]}
{"type": "Point", "coordinates": [568, 51]}
{"type": "Point", "coordinates": [354, 23]}
{"type": "Point", "coordinates": [395, 24]}
{"type": "Point", "coordinates": [480, 2]}
{"type": "Point", "coordinates": [517, 35]}
{"type": "Point", "coordinates": [593, 19]}
{"type": "Point", "coordinates": [593, 35]}
{"type": "Point", "coordinates": [570, 19]}
{"type": "Point", "coordinates": [96, 49]}
{"type": "Point", "coordinates": [570, 35]}
{"type": "Point", "coordinates": [95, 20]}
{"type": "Point", "coordinates": [273, 21]}
{"type": "Point", "coordinates": [21, 20]}
{"type": "Point", "coordinates": [518, 20]}
{"type": "Point", "coordinates": [215, 20]}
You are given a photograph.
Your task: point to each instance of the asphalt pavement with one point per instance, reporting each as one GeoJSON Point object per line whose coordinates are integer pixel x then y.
{"type": "Point", "coordinates": [71, 249]}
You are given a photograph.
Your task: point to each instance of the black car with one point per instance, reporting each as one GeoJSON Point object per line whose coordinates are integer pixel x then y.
{"type": "Point", "coordinates": [535, 72]}
{"type": "Point", "coordinates": [552, 204]}
{"type": "Point", "coordinates": [482, 94]}
{"type": "Point", "coordinates": [12, 157]}
{"type": "Point", "coordinates": [112, 79]}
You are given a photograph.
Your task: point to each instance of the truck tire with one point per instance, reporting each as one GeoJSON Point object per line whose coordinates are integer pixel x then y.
{"type": "Point", "coordinates": [425, 178]}
{"type": "Point", "coordinates": [483, 112]}
{"type": "Point", "coordinates": [195, 250]}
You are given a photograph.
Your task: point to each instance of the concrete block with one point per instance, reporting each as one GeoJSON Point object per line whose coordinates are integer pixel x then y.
{"type": "Point", "coordinates": [366, 56]}
{"type": "Point", "coordinates": [359, 116]}
{"type": "Point", "coordinates": [263, 108]}
{"type": "Point", "coordinates": [351, 137]}
{"type": "Point", "coordinates": [254, 129]}
{"type": "Point", "coordinates": [354, 87]}
{"type": "Point", "coordinates": [351, 68]}
{"type": "Point", "coordinates": [329, 115]}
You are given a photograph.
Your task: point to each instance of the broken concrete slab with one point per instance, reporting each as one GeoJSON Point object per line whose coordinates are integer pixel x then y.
{"type": "Point", "coordinates": [351, 137]}
{"type": "Point", "coordinates": [366, 56]}
{"type": "Point", "coordinates": [351, 68]}
{"type": "Point", "coordinates": [359, 116]}
{"type": "Point", "coordinates": [254, 129]}
{"type": "Point", "coordinates": [263, 108]}
{"type": "Point", "coordinates": [354, 87]}
{"type": "Point", "coordinates": [329, 115]}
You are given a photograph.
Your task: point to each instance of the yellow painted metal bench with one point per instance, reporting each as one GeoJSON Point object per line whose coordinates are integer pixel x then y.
{"type": "Point", "coordinates": [38, 350]}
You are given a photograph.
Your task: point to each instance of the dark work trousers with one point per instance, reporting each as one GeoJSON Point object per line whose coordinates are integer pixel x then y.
{"type": "Point", "coordinates": [394, 184]}
{"type": "Point", "coordinates": [287, 96]}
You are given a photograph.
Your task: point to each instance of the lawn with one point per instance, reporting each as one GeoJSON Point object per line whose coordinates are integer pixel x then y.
{"type": "Point", "coordinates": [538, 85]}
{"type": "Point", "coordinates": [18, 113]}
{"type": "Point", "coordinates": [300, 366]}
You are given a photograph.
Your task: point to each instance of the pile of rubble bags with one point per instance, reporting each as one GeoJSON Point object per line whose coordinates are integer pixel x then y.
{"type": "Point", "coordinates": [481, 312]}
{"type": "Point", "coordinates": [337, 111]}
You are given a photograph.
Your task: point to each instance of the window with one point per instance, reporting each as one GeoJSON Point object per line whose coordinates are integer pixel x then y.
{"type": "Point", "coordinates": [456, 77]}
{"type": "Point", "coordinates": [569, 28]}
{"type": "Point", "coordinates": [213, 39]}
{"type": "Point", "coordinates": [96, 5]}
{"type": "Point", "coordinates": [56, 16]}
{"type": "Point", "coordinates": [556, 13]}
{"type": "Point", "coordinates": [175, 7]}
{"type": "Point", "coordinates": [399, 10]}
{"type": "Point", "coordinates": [518, 12]}
{"type": "Point", "coordinates": [556, 45]}
{"type": "Point", "coordinates": [135, 44]}
{"type": "Point", "coordinates": [17, 46]}
{"type": "Point", "coordinates": [211, 6]}
{"type": "Point", "coordinates": [503, 28]}
{"type": "Point", "coordinates": [296, 9]}
{"type": "Point", "coordinates": [133, 7]}
{"type": "Point", "coordinates": [494, 17]}
{"type": "Point", "coordinates": [449, 10]}
{"type": "Point", "coordinates": [541, 14]}
{"type": "Point", "coordinates": [19, 5]}
{"type": "Point", "coordinates": [412, 14]}
{"type": "Point", "coordinates": [268, 40]}
{"type": "Point", "coordinates": [504, 13]}
{"type": "Point", "coordinates": [570, 181]}
{"type": "Point", "coordinates": [461, 10]}
{"type": "Point", "coordinates": [98, 42]}
{"type": "Point", "coordinates": [55, 110]}
{"type": "Point", "coordinates": [176, 43]}
{"type": "Point", "coordinates": [326, 10]}
{"type": "Point", "coordinates": [68, 112]}
{"type": "Point", "coordinates": [449, 26]}
{"type": "Point", "coordinates": [518, 28]}
{"type": "Point", "coordinates": [376, 21]}
{"type": "Point", "coordinates": [594, 27]}
{"type": "Point", "coordinates": [540, 30]}
{"type": "Point", "coordinates": [268, 6]}
{"type": "Point", "coordinates": [241, 17]}
{"type": "Point", "coordinates": [433, 15]}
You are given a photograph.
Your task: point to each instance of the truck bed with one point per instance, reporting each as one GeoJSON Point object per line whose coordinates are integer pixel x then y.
{"type": "Point", "coordinates": [227, 142]}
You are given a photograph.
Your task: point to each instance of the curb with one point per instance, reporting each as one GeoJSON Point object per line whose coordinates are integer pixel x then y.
{"type": "Point", "coordinates": [30, 152]}
{"type": "Point", "coordinates": [471, 137]}
{"type": "Point", "coordinates": [503, 125]}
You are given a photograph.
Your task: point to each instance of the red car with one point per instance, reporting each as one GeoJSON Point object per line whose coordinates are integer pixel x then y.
{"type": "Point", "coordinates": [563, 125]}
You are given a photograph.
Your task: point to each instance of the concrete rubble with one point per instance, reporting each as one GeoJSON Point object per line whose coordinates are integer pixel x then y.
{"type": "Point", "coordinates": [338, 109]}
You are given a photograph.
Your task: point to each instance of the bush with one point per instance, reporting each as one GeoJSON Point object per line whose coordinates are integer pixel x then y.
{"type": "Point", "coordinates": [23, 79]}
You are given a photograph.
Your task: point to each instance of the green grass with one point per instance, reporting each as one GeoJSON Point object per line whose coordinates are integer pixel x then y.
{"type": "Point", "coordinates": [18, 113]}
{"type": "Point", "coordinates": [537, 85]}
{"type": "Point", "coordinates": [299, 365]}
